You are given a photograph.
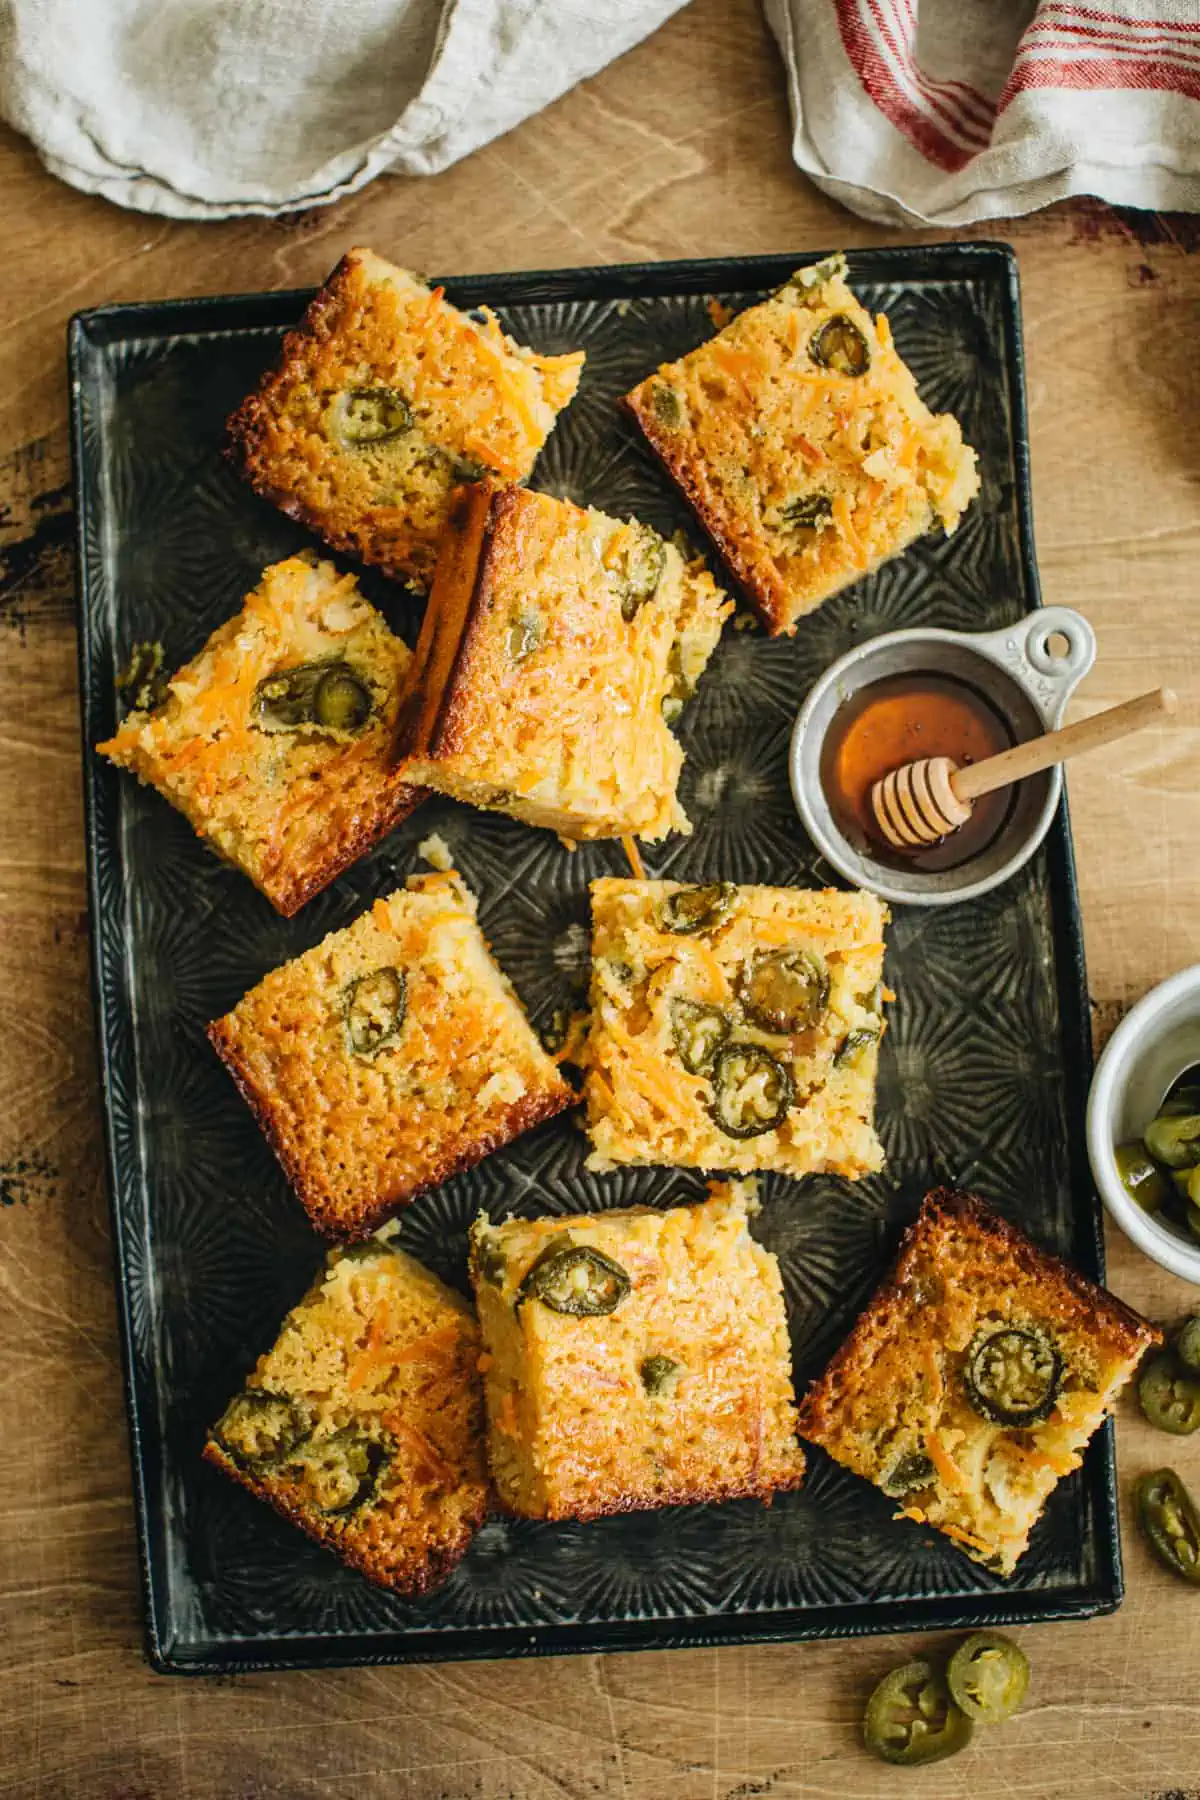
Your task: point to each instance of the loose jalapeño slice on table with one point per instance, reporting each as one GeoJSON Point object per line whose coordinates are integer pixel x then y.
{"type": "Point", "coordinates": [1187, 1344]}
{"type": "Point", "coordinates": [1170, 1522]}
{"type": "Point", "coordinates": [913, 1718]}
{"type": "Point", "coordinates": [988, 1676]}
{"type": "Point", "coordinates": [1169, 1394]}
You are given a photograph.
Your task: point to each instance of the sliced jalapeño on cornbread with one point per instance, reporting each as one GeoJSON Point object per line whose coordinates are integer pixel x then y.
{"type": "Point", "coordinates": [799, 438]}
{"type": "Point", "coordinates": [734, 1027]}
{"type": "Point", "coordinates": [384, 399]}
{"type": "Point", "coordinates": [389, 1057]}
{"type": "Point", "coordinates": [363, 1423]}
{"type": "Point", "coordinates": [275, 740]}
{"type": "Point", "coordinates": [558, 645]}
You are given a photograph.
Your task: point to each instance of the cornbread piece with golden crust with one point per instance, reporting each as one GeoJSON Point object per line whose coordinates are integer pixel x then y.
{"type": "Point", "coordinates": [388, 1058]}
{"type": "Point", "coordinates": [556, 645]}
{"type": "Point", "coordinates": [634, 1359]}
{"type": "Point", "coordinates": [275, 741]}
{"type": "Point", "coordinates": [971, 1384]}
{"type": "Point", "coordinates": [734, 1027]}
{"type": "Point", "coordinates": [384, 399]}
{"type": "Point", "coordinates": [364, 1424]}
{"type": "Point", "coordinates": [798, 436]}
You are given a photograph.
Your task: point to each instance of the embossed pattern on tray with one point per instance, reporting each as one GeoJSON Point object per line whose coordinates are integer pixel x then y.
{"type": "Point", "coordinates": [982, 1069]}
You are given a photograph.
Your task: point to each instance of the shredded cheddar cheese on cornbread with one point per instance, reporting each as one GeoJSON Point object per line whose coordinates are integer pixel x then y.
{"type": "Point", "coordinates": [645, 1105]}
{"type": "Point", "coordinates": [474, 400]}
{"type": "Point", "coordinates": [807, 474]}
{"type": "Point", "coordinates": [381, 1356]}
{"type": "Point", "coordinates": [290, 808]}
{"type": "Point", "coordinates": [897, 1406]}
{"type": "Point", "coordinates": [580, 1423]}
{"type": "Point", "coordinates": [634, 855]}
{"type": "Point", "coordinates": [550, 662]}
{"type": "Point", "coordinates": [458, 1071]}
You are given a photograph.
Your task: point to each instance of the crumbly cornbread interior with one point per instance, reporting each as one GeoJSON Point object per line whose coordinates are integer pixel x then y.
{"type": "Point", "coordinates": [385, 398]}
{"type": "Point", "coordinates": [289, 805]}
{"type": "Point", "coordinates": [896, 1404]}
{"type": "Point", "coordinates": [389, 1056]}
{"type": "Point", "coordinates": [363, 1423]}
{"type": "Point", "coordinates": [578, 639]}
{"type": "Point", "coordinates": [799, 437]}
{"type": "Point", "coordinates": [682, 1392]}
{"type": "Point", "coordinates": [654, 989]}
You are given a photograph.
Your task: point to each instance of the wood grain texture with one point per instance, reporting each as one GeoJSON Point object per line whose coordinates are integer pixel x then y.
{"type": "Point", "coordinates": [681, 149]}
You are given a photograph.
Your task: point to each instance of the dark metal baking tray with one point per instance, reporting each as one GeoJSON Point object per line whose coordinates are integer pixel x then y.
{"type": "Point", "coordinates": [984, 1070]}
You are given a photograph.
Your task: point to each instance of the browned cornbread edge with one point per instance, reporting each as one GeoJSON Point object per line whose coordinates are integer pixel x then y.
{"type": "Point", "coordinates": [287, 897]}
{"type": "Point", "coordinates": [429, 713]}
{"type": "Point", "coordinates": [247, 425]}
{"type": "Point", "coordinates": [947, 1208]}
{"type": "Point", "coordinates": [681, 1496]}
{"type": "Point", "coordinates": [776, 1461]}
{"type": "Point", "coordinates": [687, 472]}
{"type": "Point", "coordinates": [428, 1569]}
{"type": "Point", "coordinates": [335, 1222]}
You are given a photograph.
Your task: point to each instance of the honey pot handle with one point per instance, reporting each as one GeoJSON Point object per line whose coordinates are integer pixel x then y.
{"type": "Point", "coordinates": [1046, 653]}
{"type": "Point", "coordinates": [1057, 746]}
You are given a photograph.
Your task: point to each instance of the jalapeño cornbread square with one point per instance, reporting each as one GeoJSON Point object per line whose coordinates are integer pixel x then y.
{"type": "Point", "coordinates": [275, 742]}
{"type": "Point", "coordinates": [389, 1057]}
{"type": "Point", "coordinates": [556, 645]}
{"type": "Point", "coordinates": [364, 1424]}
{"type": "Point", "coordinates": [973, 1381]}
{"type": "Point", "coordinates": [634, 1359]}
{"type": "Point", "coordinates": [734, 1027]}
{"type": "Point", "coordinates": [384, 399]}
{"type": "Point", "coordinates": [798, 436]}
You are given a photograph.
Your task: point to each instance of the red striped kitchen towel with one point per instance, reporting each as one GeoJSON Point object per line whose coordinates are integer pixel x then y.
{"type": "Point", "coordinates": [947, 111]}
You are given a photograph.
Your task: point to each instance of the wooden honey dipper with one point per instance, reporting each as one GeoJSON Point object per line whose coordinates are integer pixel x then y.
{"type": "Point", "coordinates": [924, 801]}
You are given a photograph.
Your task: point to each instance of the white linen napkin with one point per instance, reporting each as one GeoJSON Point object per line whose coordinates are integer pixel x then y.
{"type": "Point", "coordinates": [200, 109]}
{"type": "Point", "coordinates": [937, 112]}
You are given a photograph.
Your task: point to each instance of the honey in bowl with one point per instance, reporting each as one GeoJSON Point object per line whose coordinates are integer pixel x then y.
{"type": "Point", "coordinates": [892, 722]}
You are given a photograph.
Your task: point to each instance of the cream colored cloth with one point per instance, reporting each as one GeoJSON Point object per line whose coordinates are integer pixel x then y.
{"type": "Point", "coordinates": [944, 112]}
{"type": "Point", "coordinates": [204, 108]}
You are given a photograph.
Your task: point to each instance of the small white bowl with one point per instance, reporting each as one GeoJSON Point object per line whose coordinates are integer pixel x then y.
{"type": "Point", "coordinates": [1146, 1054]}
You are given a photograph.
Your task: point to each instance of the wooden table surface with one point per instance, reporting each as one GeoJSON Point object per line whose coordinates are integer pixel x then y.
{"type": "Point", "coordinates": [681, 149]}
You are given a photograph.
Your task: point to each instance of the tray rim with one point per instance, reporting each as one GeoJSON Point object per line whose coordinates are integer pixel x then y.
{"type": "Point", "coordinates": [92, 331]}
